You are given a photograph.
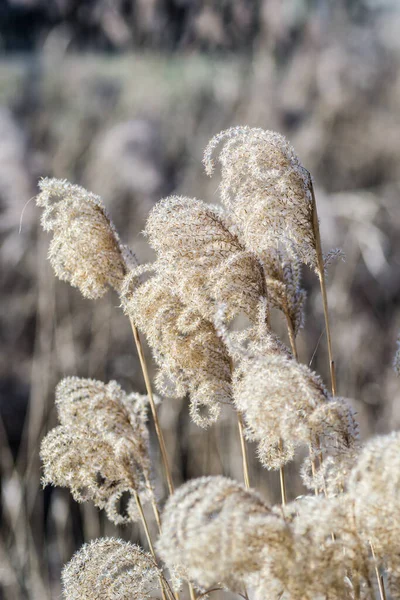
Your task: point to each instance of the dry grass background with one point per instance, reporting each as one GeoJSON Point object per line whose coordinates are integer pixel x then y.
{"type": "Point", "coordinates": [132, 128]}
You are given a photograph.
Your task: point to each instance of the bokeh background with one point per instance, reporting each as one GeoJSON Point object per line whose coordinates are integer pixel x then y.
{"type": "Point", "coordinates": [121, 96]}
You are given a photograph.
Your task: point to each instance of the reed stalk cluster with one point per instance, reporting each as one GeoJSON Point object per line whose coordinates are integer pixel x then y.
{"type": "Point", "coordinates": [215, 265]}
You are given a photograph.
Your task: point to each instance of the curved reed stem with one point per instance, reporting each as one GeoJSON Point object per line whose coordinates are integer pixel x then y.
{"type": "Point", "coordinates": [382, 593]}
{"type": "Point", "coordinates": [322, 282]}
{"type": "Point", "coordinates": [159, 432]}
{"type": "Point", "coordinates": [149, 390]}
{"type": "Point", "coordinates": [164, 588]}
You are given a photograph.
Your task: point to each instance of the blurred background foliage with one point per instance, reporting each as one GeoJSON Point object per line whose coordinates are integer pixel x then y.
{"type": "Point", "coordinates": [121, 96]}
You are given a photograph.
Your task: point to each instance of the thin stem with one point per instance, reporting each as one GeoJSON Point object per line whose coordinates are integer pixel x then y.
{"type": "Point", "coordinates": [164, 589]}
{"type": "Point", "coordinates": [282, 479]}
{"type": "Point", "coordinates": [243, 446]}
{"type": "Point", "coordinates": [322, 282]}
{"type": "Point", "coordinates": [160, 436]}
{"type": "Point", "coordinates": [153, 502]}
{"type": "Point", "coordinates": [292, 336]}
{"type": "Point", "coordinates": [159, 433]}
{"type": "Point", "coordinates": [382, 593]}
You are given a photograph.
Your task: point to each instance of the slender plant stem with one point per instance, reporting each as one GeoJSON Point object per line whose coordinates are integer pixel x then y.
{"type": "Point", "coordinates": [153, 502]}
{"type": "Point", "coordinates": [292, 337]}
{"type": "Point", "coordinates": [159, 433]}
{"type": "Point", "coordinates": [322, 282]}
{"type": "Point", "coordinates": [164, 589]}
{"type": "Point", "coordinates": [243, 446]}
{"type": "Point", "coordinates": [282, 479]}
{"type": "Point", "coordinates": [382, 593]}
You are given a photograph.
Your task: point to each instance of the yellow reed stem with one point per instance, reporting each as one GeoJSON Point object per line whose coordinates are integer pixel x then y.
{"type": "Point", "coordinates": [282, 479]}
{"type": "Point", "coordinates": [382, 593]}
{"type": "Point", "coordinates": [322, 282]}
{"type": "Point", "coordinates": [157, 426]}
{"type": "Point", "coordinates": [159, 433]}
{"type": "Point", "coordinates": [243, 446]}
{"type": "Point", "coordinates": [163, 586]}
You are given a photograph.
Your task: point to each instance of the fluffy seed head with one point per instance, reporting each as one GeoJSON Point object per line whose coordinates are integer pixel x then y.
{"type": "Point", "coordinates": [214, 531]}
{"type": "Point", "coordinates": [374, 486]}
{"type": "Point", "coordinates": [334, 425]}
{"type": "Point", "coordinates": [100, 450]}
{"type": "Point", "coordinates": [326, 557]}
{"type": "Point", "coordinates": [85, 250]}
{"type": "Point", "coordinates": [109, 568]}
{"type": "Point", "coordinates": [283, 277]}
{"type": "Point", "coordinates": [266, 188]}
{"type": "Point", "coordinates": [191, 357]}
{"type": "Point", "coordinates": [203, 259]}
{"type": "Point", "coordinates": [277, 396]}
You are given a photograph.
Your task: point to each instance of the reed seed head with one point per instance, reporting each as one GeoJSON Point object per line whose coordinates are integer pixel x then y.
{"type": "Point", "coordinates": [191, 357]}
{"type": "Point", "coordinates": [100, 450]}
{"type": "Point", "coordinates": [86, 250]}
{"type": "Point", "coordinates": [267, 190]}
{"type": "Point", "coordinates": [214, 531]}
{"type": "Point", "coordinates": [374, 486]}
{"type": "Point", "coordinates": [109, 568]}
{"type": "Point", "coordinates": [203, 259]}
{"type": "Point", "coordinates": [277, 397]}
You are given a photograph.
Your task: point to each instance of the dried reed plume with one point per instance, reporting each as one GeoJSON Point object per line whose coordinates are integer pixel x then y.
{"type": "Point", "coordinates": [271, 198]}
{"type": "Point", "coordinates": [100, 450]}
{"type": "Point", "coordinates": [214, 532]}
{"type": "Point", "coordinates": [374, 487]}
{"type": "Point", "coordinates": [323, 557]}
{"type": "Point", "coordinates": [85, 250]}
{"type": "Point", "coordinates": [283, 276]}
{"type": "Point", "coordinates": [203, 259]}
{"type": "Point", "coordinates": [277, 397]}
{"type": "Point", "coordinates": [109, 568]}
{"type": "Point", "coordinates": [266, 188]}
{"type": "Point", "coordinates": [190, 355]}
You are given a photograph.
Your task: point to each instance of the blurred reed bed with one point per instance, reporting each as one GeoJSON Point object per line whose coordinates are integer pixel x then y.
{"type": "Point", "coordinates": [84, 119]}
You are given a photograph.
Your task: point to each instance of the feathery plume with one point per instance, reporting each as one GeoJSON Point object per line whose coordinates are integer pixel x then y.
{"type": "Point", "coordinates": [203, 258]}
{"type": "Point", "coordinates": [109, 568]}
{"type": "Point", "coordinates": [334, 427]}
{"type": "Point", "coordinates": [86, 250]}
{"type": "Point", "coordinates": [191, 357]}
{"type": "Point", "coordinates": [326, 557]}
{"type": "Point", "coordinates": [374, 487]}
{"type": "Point", "coordinates": [100, 450]}
{"type": "Point", "coordinates": [277, 396]}
{"type": "Point", "coordinates": [266, 188]}
{"type": "Point", "coordinates": [214, 531]}
{"type": "Point", "coordinates": [283, 277]}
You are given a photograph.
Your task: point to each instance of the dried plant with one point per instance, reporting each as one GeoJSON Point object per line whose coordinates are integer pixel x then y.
{"type": "Point", "coordinates": [214, 532]}
{"type": "Point", "coordinates": [277, 397]}
{"type": "Point", "coordinates": [203, 258]}
{"type": "Point", "coordinates": [283, 273]}
{"type": "Point", "coordinates": [271, 197]}
{"type": "Point", "coordinates": [374, 488]}
{"type": "Point", "coordinates": [109, 568]}
{"type": "Point", "coordinates": [326, 557]}
{"type": "Point", "coordinates": [100, 450]}
{"type": "Point", "coordinates": [266, 188]}
{"type": "Point", "coordinates": [213, 264]}
{"type": "Point", "coordinates": [85, 250]}
{"type": "Point", "coordinates": [190, 355]}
